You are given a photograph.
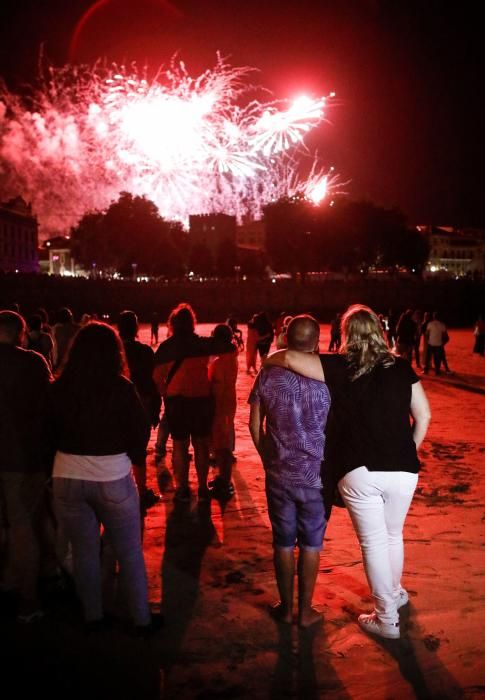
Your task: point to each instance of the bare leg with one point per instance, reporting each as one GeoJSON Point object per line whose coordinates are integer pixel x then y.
{"type": "Point", "coordinates": [308, 562]}
{"type": "Point", "coordinates": [180, 463]}
{"type": "Point", "coordinates": [201, 456]}
{"type": "Point", "coordinates": [224, 460]}
{"type": "Point", "coordinates": [284, 565]}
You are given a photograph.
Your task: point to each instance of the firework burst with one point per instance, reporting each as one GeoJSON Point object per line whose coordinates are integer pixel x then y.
{"type": "Point", "coordinates": [191, 145]}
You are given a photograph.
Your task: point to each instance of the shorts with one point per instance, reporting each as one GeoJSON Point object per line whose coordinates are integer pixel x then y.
{"type": "Point", "coordinates": [189, 416]}
{"type": "Point", "coordinates": [297, 515]}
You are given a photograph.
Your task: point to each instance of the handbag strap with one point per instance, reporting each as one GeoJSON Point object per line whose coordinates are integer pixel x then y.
{"type": "Point", "coordinates": [173, 370]}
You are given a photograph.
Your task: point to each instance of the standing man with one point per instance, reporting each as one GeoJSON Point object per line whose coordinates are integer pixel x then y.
{"type": "Point", "coordinates": [436, 337]}
{"type": "Point", "coordinates": [64, 331]}
{"type": "Point", "coordinates": [287, 420]}
{"type": "Point", "coordinates": [141, 362]}
{"type": "Point", "coordinates": [24, 383]}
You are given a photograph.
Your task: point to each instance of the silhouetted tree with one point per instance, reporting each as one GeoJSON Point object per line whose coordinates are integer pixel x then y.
{"type": "Point", "coordinates": [130, 232]}
{"type": "Point", "coordinates": [291, 229]}
{"type": "Point", "coordinates": [351, 235]}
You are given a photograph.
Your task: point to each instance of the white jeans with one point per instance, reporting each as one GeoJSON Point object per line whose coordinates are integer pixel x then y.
{"type": "Point", "coordinates": [378, 503]}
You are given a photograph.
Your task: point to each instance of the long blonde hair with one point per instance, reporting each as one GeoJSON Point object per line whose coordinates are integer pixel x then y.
{"type": "Point", "coordinates": [364, 343]}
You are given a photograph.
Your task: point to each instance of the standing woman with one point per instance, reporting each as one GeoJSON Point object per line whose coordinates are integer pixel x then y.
{"type": "Point", "coordinates": [99, 429]}
{"type": "Point", "coordinates": [372, 450]}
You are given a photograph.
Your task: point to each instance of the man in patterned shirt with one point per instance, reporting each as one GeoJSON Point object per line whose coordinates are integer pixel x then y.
{"type": "Point", "coordinates": [287, 422]}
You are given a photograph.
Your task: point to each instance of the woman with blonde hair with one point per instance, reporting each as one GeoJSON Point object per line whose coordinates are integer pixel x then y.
{"type": "Point", "coordinates": [371, 450]}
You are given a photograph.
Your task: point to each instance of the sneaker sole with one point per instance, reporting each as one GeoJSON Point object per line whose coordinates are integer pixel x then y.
{"type": "Point", "coordinates": [376, 632]}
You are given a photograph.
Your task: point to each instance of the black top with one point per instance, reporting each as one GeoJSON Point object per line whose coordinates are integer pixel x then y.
{"type": "Point", "coordinates": [24, 383]}
{"type": "Point", "coordinates": [406, 331]}
{"type": "Point", "coordinates": [100, 420]}
{"type": "Point", "coordinates": [141, 361]}
{"type": "Point", "coordinates": [369, 423]}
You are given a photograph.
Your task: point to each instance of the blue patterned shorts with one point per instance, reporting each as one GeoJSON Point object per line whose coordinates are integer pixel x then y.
{"type": "Point", "coordinates": [297, 515]}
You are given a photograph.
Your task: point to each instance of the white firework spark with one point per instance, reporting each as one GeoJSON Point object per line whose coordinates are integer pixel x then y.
{"type": "Point", "coordinates": [191, 145]}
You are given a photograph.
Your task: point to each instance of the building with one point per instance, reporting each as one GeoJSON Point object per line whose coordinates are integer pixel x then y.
{"type": "Point", "coordinates": [455, 252]}
{"type": "Point", "coordinates": [56, 258]}
{"type": "Point", "coordinates": [251, 235]}
{"type": "Point", "coordinates": [212, 230]}
{"type": "Point", "coordinates": [19, 239]}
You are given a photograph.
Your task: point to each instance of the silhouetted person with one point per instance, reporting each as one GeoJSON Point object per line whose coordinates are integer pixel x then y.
{"type": "Point", "coordinates": [154, 325]}
{"type": "Point", "coordinates": [24, 384]}
{"type": "Point", "coordinates": [479, 334]}
{"type": "Point", "coordinates": [406, 335]}
{"type": "Point", "coordinates": [335, 334]}
{"type": "Point", "coordinates": [265, 331]}
{"type": "Point", "coordinates": [251, 346]}
{"type": "Point", "coordinates": [236, 332]}
{"type": "Point", "coordinates": [436, 337]}
{"type": "Point", "coordinates": [141, 363]}
{"type": "Point", "coordinates": [64, 331]}
{"type": "Point", "coordinates": [39, 340]}
{"type": "Point", "coordinates": [222, 377]}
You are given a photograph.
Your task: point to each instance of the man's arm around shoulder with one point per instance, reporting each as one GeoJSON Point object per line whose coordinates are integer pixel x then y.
{"type": "Point", "coordinates": [305, 363]}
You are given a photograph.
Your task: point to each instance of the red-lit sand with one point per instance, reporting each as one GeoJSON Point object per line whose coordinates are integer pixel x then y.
{"type": "Point", "coordinates": [213, 572]}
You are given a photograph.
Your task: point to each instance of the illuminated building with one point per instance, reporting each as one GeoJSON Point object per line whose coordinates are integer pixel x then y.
{"type": "Point", "coordinates": [455, 252]}
{"type": "Point", "coordinates": [60, 261]}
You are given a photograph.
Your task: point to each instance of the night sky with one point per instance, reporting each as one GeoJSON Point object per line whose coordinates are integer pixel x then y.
{"type": "Point", "coordinates": [407, 126]}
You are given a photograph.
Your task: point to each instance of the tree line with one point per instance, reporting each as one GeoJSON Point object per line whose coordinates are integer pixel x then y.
{"type": "Point", "coordinates": [130, 235]}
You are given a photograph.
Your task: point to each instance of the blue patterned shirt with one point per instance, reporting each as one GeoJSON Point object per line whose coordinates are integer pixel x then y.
{"type": "Point", "coordinates": [296, 410]}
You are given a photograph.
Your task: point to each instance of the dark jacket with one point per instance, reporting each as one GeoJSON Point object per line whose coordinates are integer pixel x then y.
{"type": "Point", "coordinates": [141, 361]}
{"type": "Point", "coordinates": [24, 383]}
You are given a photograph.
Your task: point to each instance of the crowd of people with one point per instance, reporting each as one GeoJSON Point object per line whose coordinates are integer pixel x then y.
{"type": "Point", "coordinates": [78, 402]}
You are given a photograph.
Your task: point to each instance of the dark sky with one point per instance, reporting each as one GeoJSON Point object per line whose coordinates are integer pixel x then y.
{"type": "Point", "coordinates": [407, 128]}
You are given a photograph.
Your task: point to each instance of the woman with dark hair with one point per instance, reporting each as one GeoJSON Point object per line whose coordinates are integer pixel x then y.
{"type": "Point", "coordinates": [99, 429]}
{"type": "Point", "coordinates": [371, 450]}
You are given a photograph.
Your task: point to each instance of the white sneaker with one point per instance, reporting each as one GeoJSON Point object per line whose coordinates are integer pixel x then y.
{"type": "Point", "coordinates": [372, 625]}
{"type": "Point", "coordinates": [403, 598]}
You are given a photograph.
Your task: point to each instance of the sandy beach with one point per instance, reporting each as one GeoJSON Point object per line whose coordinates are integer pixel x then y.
{"type": "Point", "coordinates": [210, 571]}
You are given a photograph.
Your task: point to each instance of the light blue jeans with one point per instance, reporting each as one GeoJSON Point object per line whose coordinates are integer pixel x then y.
{"type": "Point", "coordinates": [82, 506]}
